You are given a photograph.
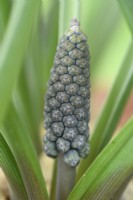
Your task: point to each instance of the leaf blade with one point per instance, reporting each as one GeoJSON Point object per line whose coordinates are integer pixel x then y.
{"type": "Point", "coordinates": [20, 25]}
{"type": "Point", "coordinates": [127, 8]}
{"type": "Point", "coordinates": [110, 169]}
{"type": "Point", "coordinates": [10, 168]}
{"type": "Point", "coordinates": [24, 152]}
{"type": "Point", "coordinates": [112, 110]}
{"type": "Point", "coordinates": [53, 182]}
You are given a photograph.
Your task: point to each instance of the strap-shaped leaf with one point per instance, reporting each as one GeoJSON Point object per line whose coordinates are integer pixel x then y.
{"type": "Point", "coordinates": [13, 48]}
{"type": "Point", "coordinates": [51, 42]}
{"type": "Point", "coordinates": [121, 189]}
{"type": "Point", "coordinates": [112, 110]}
{"type": "Point", "coordinates": [23, 97]}
{"type": "Point", "coordinates": [110, 169]}
{"type": "Point", "coordinates": [68, 10]}
{"type": "Point", "coordinates": [11, 170]}
{"type": "Point", "coordinates": [127, 8]}
{"type": "Point", "coordinates": [53, 182]}
{"type": "Point", "coordinates": [18, 138]}
{"type": "Point", "coordinates": [5, 7]}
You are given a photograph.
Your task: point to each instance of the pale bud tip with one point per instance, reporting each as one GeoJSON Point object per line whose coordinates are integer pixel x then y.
{"type": "Point", "coordinates": [74, 24]}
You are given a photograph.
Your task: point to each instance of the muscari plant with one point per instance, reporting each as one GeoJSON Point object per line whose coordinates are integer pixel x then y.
{"type": "Point", "coordinates": [108, 168]}
{"type": "Point", "coordinates": [67, 99]}
{"type": "Point", "coordinates": [67, 103]}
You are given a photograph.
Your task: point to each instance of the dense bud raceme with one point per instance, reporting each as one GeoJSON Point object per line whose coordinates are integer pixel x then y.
{"type": "Point", "coordinates": [67, 100]}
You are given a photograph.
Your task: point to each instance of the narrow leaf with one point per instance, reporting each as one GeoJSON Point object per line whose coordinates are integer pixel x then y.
{"type": "Point", "coordinates": [23, 150]}
{"type": "Point", "coordinates": [21, 95]}
{"type": "Point", "coordinates": [10, 168]}
{"type": "Point", "coordinates": [53, 184]}
{"type": "Point", "coordinates": [13, 48]}
{"type": "Point", "coordinates": [112, 110]}
{"type": "Point", "coordinates": [120, 191]}
{"type": "Point", "coordinates": [68, 10]}
{"type": "Point", "coordinates": [24, 102]}
{"type": "Point", "coordinates": [28, 90]}
{"type": "Point", "coordinates": [50, 44]}
{"type": "Point", "coordinates": [110, 169]}
{"type": "Point", "coordinates": [127, 8]}
{"type": "Point", "coordinates": [5, 7]}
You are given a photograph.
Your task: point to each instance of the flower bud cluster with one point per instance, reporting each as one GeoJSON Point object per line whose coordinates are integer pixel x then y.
{"type": "Point", "coordinates": [68, 98]}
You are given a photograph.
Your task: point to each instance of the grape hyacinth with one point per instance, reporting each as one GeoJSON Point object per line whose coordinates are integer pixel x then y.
{"type": "Point", "coordinates": [67, 99]}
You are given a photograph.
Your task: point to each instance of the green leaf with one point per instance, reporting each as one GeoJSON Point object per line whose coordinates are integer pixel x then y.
{"type": "Point", "coordinates": [120, 191]}
{"type": "Point", "coordinates": [5, 7]}
{"type": "Point", "coordinates": [53, 183]}
{"type": "Point", "coordinates": [68, 10]}
{"type": "Point", "coordinates": [10, 168]}
{"type": "Point", "coordinates": [21, 96]}
{"type": "Point", "coordinates": [127, 8]}
{"type": "Point", "coordinates": [50, 44]}
{"type": "Point", "coordinates": [110, 169]}
{"type": "Point", "coordinates": [92, 16]}
{"type": "Point", "coordinates": [112, 110]}
{"type": "Point", "coordinates": [23, 150]}
{"type": "Point", "coordinates": [29, 90]}
{"type": "Point", "coordinates": [13, 48]}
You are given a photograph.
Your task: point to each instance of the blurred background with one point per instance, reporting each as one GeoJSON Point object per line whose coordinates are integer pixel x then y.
{"type": "Point", "coordinates": [108, 37]}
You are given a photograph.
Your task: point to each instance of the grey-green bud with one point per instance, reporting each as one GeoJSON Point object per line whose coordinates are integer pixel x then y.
{"type": "Point", "coordinates": [63, 145]}
{"type": "Point", "coordinates": [72, 158]}
{"type": "Point", "coordinates": [67, 100]}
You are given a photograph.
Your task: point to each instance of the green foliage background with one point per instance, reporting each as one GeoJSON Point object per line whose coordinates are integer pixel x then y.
{"type": "Point", "coordinates": [28, 37]}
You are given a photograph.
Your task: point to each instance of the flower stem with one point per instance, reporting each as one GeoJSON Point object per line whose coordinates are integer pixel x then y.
{"type": "Point", "coordinates": [65, 179]}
